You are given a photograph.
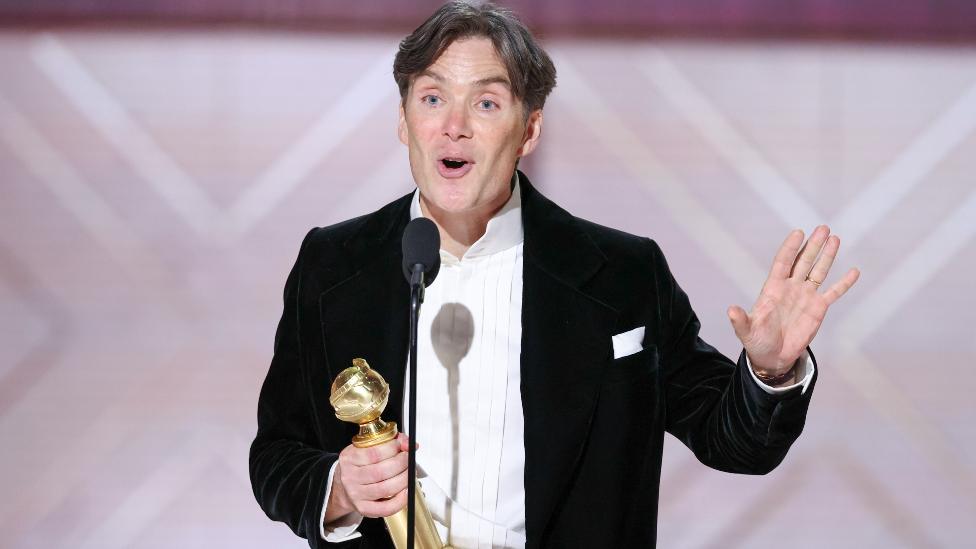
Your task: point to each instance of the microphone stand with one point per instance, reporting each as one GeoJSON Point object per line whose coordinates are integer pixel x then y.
{"type": "Point", "coordinates": [416, 299]}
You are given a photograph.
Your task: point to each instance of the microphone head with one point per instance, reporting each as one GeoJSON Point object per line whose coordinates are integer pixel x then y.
{"type": "Point", "coordinates": [421, 245]}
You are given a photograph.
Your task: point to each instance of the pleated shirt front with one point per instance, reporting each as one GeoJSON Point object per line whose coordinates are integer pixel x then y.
{"type": "Point", "coordinates": [469, 408]}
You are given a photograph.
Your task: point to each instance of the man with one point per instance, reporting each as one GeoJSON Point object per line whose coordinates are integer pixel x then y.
{"type": "Point", "coordinates": [554, 353]}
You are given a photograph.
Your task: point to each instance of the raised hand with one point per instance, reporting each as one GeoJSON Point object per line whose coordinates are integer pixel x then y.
{"type": "Point", "coordinates": [791, 306]}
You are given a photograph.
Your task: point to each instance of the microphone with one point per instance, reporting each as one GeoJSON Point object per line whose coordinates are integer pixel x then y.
{"type": "Point", "coordinates": [421, 251]}
{"type": "Point", "coordinates": [421, 261]}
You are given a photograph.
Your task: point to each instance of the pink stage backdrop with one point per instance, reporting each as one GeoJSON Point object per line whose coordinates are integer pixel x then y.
{"type": "Point", "coordinates": [156, 185]}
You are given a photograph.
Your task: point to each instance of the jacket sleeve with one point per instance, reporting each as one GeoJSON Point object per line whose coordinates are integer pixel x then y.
{"type": "Point", "coordinates": [712, 404]}
{"type": "Point", "coordinates": [288, 468]}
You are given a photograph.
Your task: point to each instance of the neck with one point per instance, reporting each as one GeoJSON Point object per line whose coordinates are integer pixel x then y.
{"type": "Point", "coordinates": [460, 230]}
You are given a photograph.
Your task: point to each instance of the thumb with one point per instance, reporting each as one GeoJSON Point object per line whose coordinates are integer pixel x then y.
{"type": "Point", "coordinates": [405, 442]}
{"type": "Point", "coordinates": [740, 322]}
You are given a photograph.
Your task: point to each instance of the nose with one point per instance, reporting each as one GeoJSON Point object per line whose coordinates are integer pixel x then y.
{"type": "Point", "coordinates": [457, 123]}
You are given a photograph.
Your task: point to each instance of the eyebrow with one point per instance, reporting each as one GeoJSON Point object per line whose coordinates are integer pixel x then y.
{"type": "Point", "coordinates": [494, 80]}
{"type": "Point", "coordinates": [481, 82]}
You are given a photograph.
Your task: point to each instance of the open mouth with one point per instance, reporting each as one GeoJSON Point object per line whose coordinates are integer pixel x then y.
{"type": "Point", "coordinates": [453, 163]}
{"type": "Point", "coordinates": [453, 167]}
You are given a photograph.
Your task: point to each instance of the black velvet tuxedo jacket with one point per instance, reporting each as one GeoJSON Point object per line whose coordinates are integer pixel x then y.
{"type": "Point", "coordinates": [594, 425]}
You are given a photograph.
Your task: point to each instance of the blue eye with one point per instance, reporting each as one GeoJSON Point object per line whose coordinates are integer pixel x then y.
{"type": "Point", "coordinates": [487, 104]}
{"type": "Point", "coordinates": [431, 100]}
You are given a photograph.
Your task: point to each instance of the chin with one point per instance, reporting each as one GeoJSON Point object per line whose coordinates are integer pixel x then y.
{"type": "Point", "coordinates": [453, 205]}
{"type": "Point", "coordinates": [449, 197]}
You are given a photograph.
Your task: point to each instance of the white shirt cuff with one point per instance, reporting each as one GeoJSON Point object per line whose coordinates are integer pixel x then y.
{"type": "Point", "coordinates": [803, 371]}
{"type": "Point", "coordinates": [343, 528]}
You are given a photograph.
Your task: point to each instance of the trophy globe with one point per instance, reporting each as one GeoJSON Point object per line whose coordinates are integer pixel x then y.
{"type": "Point", "coordinates": [359, 395]}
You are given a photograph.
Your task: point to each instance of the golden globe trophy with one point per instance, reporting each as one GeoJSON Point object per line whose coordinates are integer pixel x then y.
{"type": "Point", "coordinates": [359, 395]}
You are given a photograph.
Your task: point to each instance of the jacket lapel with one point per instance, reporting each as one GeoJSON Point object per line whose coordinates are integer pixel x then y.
{"type": "Point", "coordinates": [366, 314]}
{"type": "Point", "coordinates": [565, 348]}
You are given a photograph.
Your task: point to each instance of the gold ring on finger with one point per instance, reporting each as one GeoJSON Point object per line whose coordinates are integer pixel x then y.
{"type": "Point", "coordinates": [817, 282]}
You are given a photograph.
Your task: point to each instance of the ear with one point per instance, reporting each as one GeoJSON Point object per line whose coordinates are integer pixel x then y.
{"type": "Point", "coordinates": [533, 130]}
{"type": "Point", "coordinates": [402, 132]}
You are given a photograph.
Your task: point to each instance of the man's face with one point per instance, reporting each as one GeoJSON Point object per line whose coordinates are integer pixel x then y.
{"type": "Point", "coordinates": [465, 130]}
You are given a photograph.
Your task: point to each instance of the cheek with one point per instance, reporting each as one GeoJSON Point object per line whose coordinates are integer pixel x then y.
{"type": "Point", "coordinates": [513, 137]}
{"type": "Point", "coordinates": [417, 131]}
{"type": "Point", "coordinates": [424, 136]}
{"type": "Point", "coordinates": [506, 147]}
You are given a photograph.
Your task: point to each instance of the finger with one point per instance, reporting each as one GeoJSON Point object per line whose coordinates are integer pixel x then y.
{"type": "Point", "coordinates": [820, 269]}
{"type": "Point", "coordinates": [379, 472]}
{"type": "Point", "coordinates": [840, 287]}
{"type": "Point", "coordinates": [373, 454]}
{"type": "Point", "coordinates": [740, 322]}
{"type": "Point", "coordinates": [783, 261]}
{"type": "Point", "coordinates": [809, 252]}
{"type": "Point", "coordinates": [384, 508]}
{"type": "Point", "coordinates": [386, 489]}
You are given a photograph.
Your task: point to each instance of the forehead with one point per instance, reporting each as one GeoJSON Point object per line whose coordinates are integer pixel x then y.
{"type": "Point", "coordinates": [468, 60]}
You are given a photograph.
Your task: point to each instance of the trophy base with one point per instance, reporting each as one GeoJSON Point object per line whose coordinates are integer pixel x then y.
{"type": "Point", "coordinates": [375, 432]}
{"type": "Point", "coordinates": [425, 533]}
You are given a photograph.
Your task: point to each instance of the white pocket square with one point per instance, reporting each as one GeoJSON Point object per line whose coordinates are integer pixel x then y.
{"type": "Point", "coordinates": [628, 343]}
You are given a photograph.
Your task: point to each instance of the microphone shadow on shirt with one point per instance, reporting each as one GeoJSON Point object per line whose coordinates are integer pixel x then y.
{"type": "Point", "coordinates": [451, 335]}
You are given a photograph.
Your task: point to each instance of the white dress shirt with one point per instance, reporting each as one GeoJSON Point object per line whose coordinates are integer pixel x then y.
{"type": "Point", "coordinates": [469, 406]}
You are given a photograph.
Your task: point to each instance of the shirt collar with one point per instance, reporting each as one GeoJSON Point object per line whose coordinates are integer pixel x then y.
{"type": "Point", "coordinates": [503, 232]}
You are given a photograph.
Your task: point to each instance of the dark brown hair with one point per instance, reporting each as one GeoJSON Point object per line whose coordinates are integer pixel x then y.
{"type": "Point", "coordinates": [530, 69]}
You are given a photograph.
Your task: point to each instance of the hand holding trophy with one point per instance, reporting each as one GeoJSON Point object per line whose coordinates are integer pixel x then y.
{"type": "Point", "coordinates": [359, 395]}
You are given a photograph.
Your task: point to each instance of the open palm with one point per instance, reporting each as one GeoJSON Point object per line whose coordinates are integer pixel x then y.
{"type": "Point", "coordinates": [791, 306]}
